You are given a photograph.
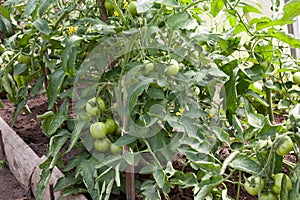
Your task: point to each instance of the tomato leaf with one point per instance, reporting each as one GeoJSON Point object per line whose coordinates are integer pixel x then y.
{"type": "Point", "coordinates": [251, 9]}
{"type": "Point", "coordinates": [43, 183]}
{"type": "Point", "coordinates": [230, 88]}
{"type": "Point", "coordinates": [284, 37]}
{"type": "Point", "coordinates": [216, 7]}
{"type": "Point", "coordinates": [42, 26]}
{"type": "Point", "coordinates": [4, 12]}
{"type": "Point", "coordinates": [52, 123]}
{"type": "Point", "coordinates": [295, 178]}
{"type": "Point", "coordinates": [181, 21]}
{"type": "Point", "coordinates": [144, 5]}
{"type": "Point", "coordinates": [55, 85]}
{"type": "Point", "coordinates": [125, 140]}
{"type": "Point", "coordinates": [31, 5]}
{"type": "Point", "coordinates": [246, 164]}
{"type": "Point", "coordinates": [150, 190]}
{"type": "Point", "coordinates": [160, 177]}
{"type": "Point", "coordinates": [88, 171]}
{"type": "Point", "coordinates": [65, 182]}
{"type": "Point", "coordinates": [69, 54]}
{"type": "Point", "coordinates": [291, 9]}
{"type": "Point", "coordinates": [44, 5]}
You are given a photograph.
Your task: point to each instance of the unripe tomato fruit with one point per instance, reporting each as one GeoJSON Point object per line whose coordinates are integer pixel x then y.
{"type": "Point", "coordinates": [98, 130]}
{"type": "Point", "coordinates": [85, 117]}
{"type": "Point", "coordinates": [92, 106]}
{"type": "Point", "coordinates": [149, 66]}
{"type": "Point", "coordinates": [118, 132]}
{"type": "Point", "coordinates": [172, 68]}
{"type": "Point", "coordinates": [276, 188]}
{"type": "Point", "coordinates": [111, 126]}
{"type": "Point", "coordinates": [254, 184]}
{"type": "Point", "coordinates": [132, 8]}
{"type": "Point", "coordinates": [102, 145]}
{"type": "Point", "coordinates": [115, 149]}
{"type": "Point", "coordinates": [296, 78]}
{"type": "Point", "coordinates": [285, 146]}
{"type": "Point", "coordinates": [24, 59]}
{"type": "Point", "coordinates": [108, 5]}
{"type": "Point", "coordinates": [206, 7]}
{"type": "Point", "coordinates": [268, 196]}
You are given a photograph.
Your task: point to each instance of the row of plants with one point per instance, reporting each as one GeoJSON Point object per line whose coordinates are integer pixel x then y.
{"type": "Point", "coordinates": [138, 85]}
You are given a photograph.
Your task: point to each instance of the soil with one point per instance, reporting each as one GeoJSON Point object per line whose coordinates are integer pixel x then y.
{"type": "Point", "coordinates": [28, 128]}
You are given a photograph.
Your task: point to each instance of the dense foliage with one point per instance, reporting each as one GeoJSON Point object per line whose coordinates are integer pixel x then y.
{"type": "Point", "coordinates": [148, 83]}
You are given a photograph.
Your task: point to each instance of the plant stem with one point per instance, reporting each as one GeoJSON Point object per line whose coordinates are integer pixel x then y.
{"type": "Point", "coordinates": [130, 182]}
{"type": "Point", "coordinates": [239, 186]}
{"type": "Point", "coordinates": [102, 10]}
{"type": "Point", "coordinates": [269, 101]}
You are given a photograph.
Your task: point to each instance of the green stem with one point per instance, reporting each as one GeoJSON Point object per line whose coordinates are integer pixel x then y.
{"type": "Point", "coordinates": [239, 186]}
{"type": "Point", "coordinates": [269, 101]}
{"type": "Point", "coordinates": [158, 14]}
{"type": "Point", "coordinates": [239, 17]}
{"type": "Point", "coordinates": [193, 4]}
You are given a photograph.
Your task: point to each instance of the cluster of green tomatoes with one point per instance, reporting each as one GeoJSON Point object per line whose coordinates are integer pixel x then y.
{"type": "Point", "coordinates": [256, 184]}
{"type": "Point", "coordinates": [101, 131]}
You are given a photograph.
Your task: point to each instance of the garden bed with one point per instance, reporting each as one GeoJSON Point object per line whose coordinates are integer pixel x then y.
{"type": "Point", "coordinates": [23, 147]}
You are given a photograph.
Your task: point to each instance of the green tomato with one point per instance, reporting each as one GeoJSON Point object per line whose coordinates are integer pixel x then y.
{"type": "Point", "coordinates": [196, 90]}
{"type": "Point", "coordinates": [24, 59]}
{"type": "Point", "coordinates": [132, 8]}
{"type": "Point", "coordinates": [285, 146]}
{"type": "Point", "coordinates": [102, 145]}
{"type": "Point", "coordinates": [118, 132]}
{"type": "Point", "coordinates": [172, 68]}
{"type": "Point", "coordinates": [86, 117]}
{"type": "Point", "coordinates": [268, 196]}
{"type": "Point", "coordinates": [98, 130]}
{"type": "Point", "coordinates": [206, 7]}
{"type": "Point", "coordinates": [108, 5]}
{"type": "Point", "coordinates": [276, 188]}
{"type": "Point", "coordinates": [254, 184]}
{"type": "Point", "coordinates": [115, 149]}
{"type": "Point", "coordinates": [111, 126]}
{"type": "Point", "coordinates": [296, 78]}
{"type": "Point", "coordinates": [149, 66]}
{"type": "Point", "coordinates": [92, 106]}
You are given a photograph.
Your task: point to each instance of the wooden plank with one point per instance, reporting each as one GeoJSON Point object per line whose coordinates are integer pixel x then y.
{"type": "Point", "coordinates": [21, 159]}
{"type": "Point", "coordinates": [24, 164]}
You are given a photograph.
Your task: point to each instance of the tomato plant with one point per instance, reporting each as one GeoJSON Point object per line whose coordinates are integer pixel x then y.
{"type": "Point", "coordinates": [142, 85]}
